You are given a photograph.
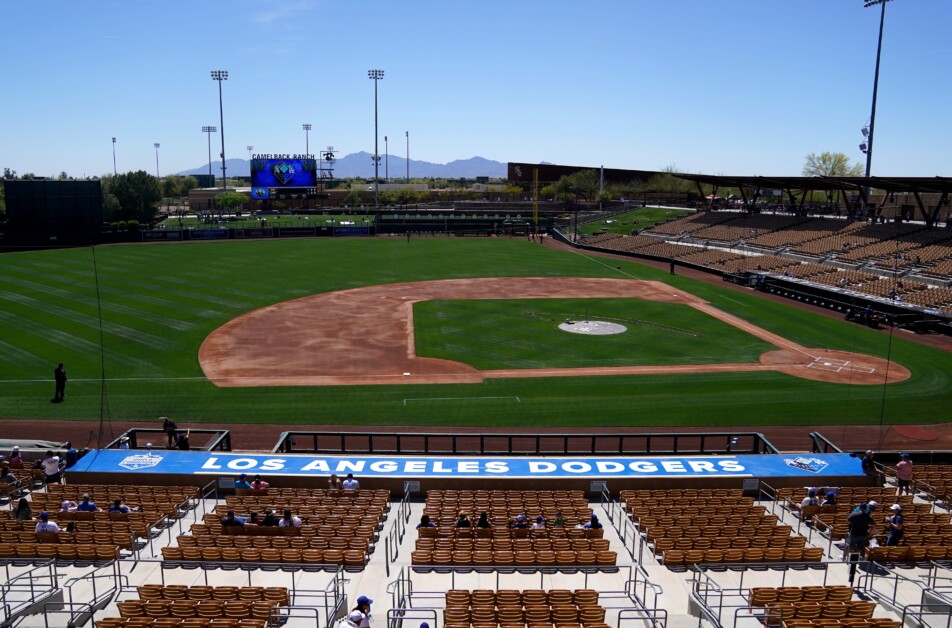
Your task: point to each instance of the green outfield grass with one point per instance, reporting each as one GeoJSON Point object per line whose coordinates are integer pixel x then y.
{"type": "Point", "coordinates": [523, 334]}
{"type": "Point", "coordinates": [158, 302]}
{"type": "Point", "coordinates": [632, 221]}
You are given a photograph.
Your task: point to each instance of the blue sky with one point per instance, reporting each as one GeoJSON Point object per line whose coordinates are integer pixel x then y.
{"type": "Point", "coordinates": [721, 87]}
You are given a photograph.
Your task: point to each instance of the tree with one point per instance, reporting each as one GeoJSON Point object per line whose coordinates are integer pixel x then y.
{"type": "Point", "coordinates": [352, 198]}
{"type": "Point", "coordinates": [188, 183]}
{"type": "Point", "coordinates": [172, 186]}
{"type": "Point", "coordinates": [138, 194]}
{"type": "Point", "coordinates": [230, 200]}
{"type": "Point", "coordinates": [9, 174]}
{"type": "Point", "coordinates": [828, 164]}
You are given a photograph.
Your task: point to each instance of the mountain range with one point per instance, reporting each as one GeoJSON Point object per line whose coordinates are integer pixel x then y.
{"type": "Point", "coordinates": [361, 165]}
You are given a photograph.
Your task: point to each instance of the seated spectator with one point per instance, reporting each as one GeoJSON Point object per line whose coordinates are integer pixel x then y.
{"type": "Point", "coordinates": [333, 483]}
{"type": "Point", "coordinates": [85, 505]}
{"type": "Point", "coordinates": [231, 520]}
{"type": "Point", "coordinates": [15, 457]}
{"type": "Point", "coordinates": [7, 477]}
{"type": "Point", "coordinates": [425, 522]}
{"type": "Point", "coordinates": [242, 481]}
{"type": "Point", "coordinates": [463, 521]}
{"type": "Point", "coordinates": [289, 520]}
{"type": "Point", "coordinates": [539, 523]}
{"type": "Point", "coordinates": [258, 484]}
{"type": "Point", "coordinates": [181, 441]}
{"type": "Point", "coordinates": [45, 525]}
{"type": "Point", "coordinates": [118, 506]}
{"type": "Point", "coordinates": [559, 520]}
{"type": "Point", "coordinates": [593, 524]}
{"type": "Point", "coordinates": [270, 519]}
{"type": "Point", "coordinates": [349, 483]}
{"type": "Point", "coordinates": [22, 512]}
{"type": "Point", "coordinates": [829, 500]}
{"type": "Point", "coordinates": [521, 522]}
{"type": "Point", "coordinates": [483, 521]}
{"type": "Point", "coordinates": [68, 505]}
{"type": "Point", "coordinates": [253, 519]}
{"type": "Point", "coordinates": [810, 499]}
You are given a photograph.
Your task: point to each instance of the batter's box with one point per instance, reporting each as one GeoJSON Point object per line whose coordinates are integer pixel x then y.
{"type": "Point", "coordinates": [838, 366]}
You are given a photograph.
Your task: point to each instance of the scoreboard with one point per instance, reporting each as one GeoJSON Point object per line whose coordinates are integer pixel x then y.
{"type": "Point", "coordinates": [283, 176]}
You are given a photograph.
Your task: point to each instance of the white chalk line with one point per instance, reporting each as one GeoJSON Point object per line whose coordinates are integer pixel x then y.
{"type": "Point", "coordinates": [518, 400]}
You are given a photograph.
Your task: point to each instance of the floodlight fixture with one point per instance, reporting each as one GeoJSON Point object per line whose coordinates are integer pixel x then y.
{"type": "Point", "coordinates": [208, 130]}
{"type": "Point", "coordinates": [307, 145]}
{"type": "Point", "coordinates": [221, 75]}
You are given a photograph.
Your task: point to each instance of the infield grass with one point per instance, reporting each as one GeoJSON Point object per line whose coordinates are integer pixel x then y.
{"type": "Point", "coordinates": [524, 333]}
{"type": "Point", "coordinates": [159, 301]}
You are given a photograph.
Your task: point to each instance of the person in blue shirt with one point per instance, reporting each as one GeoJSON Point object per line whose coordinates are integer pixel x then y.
{"type": "Point", "coordinates": [118, 506]}
{"type": "Point", "coordinates": [593, 524]}
{"type": "Point", "coordinates": [425, 522]}
{"type": "Point", "coordinates": [895, 525]}
{"type": "Point", "coordinates": [243, 481]}
{"type": "Point", "coordinates": [86, 505]}
{"type": "Point", "coordinates": [72, 456]}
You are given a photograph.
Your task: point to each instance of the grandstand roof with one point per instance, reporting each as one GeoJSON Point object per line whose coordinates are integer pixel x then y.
{"type": "Point", "coordinates": [940, 185]}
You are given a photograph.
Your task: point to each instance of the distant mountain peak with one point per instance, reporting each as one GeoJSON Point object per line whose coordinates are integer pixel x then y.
{"type": "Point", "coordinates": [360, 165]}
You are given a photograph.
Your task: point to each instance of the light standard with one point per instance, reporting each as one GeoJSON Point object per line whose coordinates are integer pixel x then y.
{"type": "Point", "coordinates": [386, 159]}
{"type": "Point", "coordinates": [307, 145]}
{"type": "Point", "coordinates": [250, 148]}
{"type": "Point", "coordinates": [408, 156]}
{"type": "Point", "coordinates": [156, 160]}
{"type": "Point", "coordinates": [221, 75]}
{"type": "Point", "coordinates": [115, 172]}
{"type": "Point", "coordinates": [872, 115]}
{"type": "Point", "coordinates": [376, 75]}
{"type": "Point", "coordinates": [208, 130]}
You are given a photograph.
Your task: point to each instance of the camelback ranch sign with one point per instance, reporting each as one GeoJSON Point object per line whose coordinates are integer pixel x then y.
{"type": "Point", "coordinates": [217, 463]}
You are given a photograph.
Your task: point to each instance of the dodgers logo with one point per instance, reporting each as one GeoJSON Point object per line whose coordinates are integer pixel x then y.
{"type": "Point", "coordinates": [283, 172]}
{"type": "Point", "coordinates": [140, 461]}
{"type": "Point", "coordinates": [813, 465]}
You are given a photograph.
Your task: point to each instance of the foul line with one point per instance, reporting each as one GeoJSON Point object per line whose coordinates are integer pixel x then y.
{"type": "Point", "coordinates": [456, 399]}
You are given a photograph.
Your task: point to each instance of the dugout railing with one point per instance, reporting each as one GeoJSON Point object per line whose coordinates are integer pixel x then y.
{"type": "Point", "coordinates": [692, 443]}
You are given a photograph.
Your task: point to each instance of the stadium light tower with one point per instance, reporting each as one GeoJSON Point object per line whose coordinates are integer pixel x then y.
{"type": "Point", "coordinates": [221, 75]}
{"type": "Point", "coordinates": [386, 159]}
{"type": "Point", "coordinates": [250, 148]}
{"type": "Point", "coordinates": [208, 130]}
{"type": "Point", "coordinates": [375, 76]}
{"type": "Point", "coordinates": [872, 116]}
{"type": "Point", "coordinates": [408, 156]}
{"type": "Point", "coordinates": [157, 160]}
{"type": "Point", "coordinates": [115, 172]}
{"type": "Point", "coordinates": [307, 131]}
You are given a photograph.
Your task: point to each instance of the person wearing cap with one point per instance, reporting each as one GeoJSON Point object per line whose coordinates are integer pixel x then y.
{"type": "Point", "coordinates": [45, 525]}
{"type": "Point", "coordinates": [124, 442]}
{"type": "Point", "coordinates": [904, 475]}
{"type": "Point", "coordinates": [810, 499]}
{"type": "Point", "coordinates": [363, 606]}
{"type": "Point", "coordinates": [350, 483]}
{"type": "Point", "coordinates": [85, 505]}
{"type": "Point", "coordinates": [539, 523]}
{"type": "Point", "coordinates": [520, 522]}
{"type": "Point", "coordinates": [559, 520]}
{"type": "Point", "coordinates": [425, 522]}
{"type": "Point", "coordinates": [270, 519]}
{"type": "Point", "coordinates": [15, 457]}
{"type": "Point", "coordinates": [869, 467]}
{"type": "Point", "coordinates": [231, 520]}
{"type": "Point", "coordinates": [894, 520]}
{"type": "Point", "coordinates": [242, 481]}
{"type": "Point", "coordinates": [258, 484]}
{"type": "Point", "coordinates": [52, 468]}
{"type": "Point", "coordinates": [593, 524]}
{"type": "Point", "coordinates": [353, 620]}
{"type": "Point", "coordinates": [68, 505]}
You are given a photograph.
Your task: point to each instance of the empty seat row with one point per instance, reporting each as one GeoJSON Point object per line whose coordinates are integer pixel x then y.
{"type": "Point", "coordinates": [276, 542]}
{"type": "Point", "coordinates": [209, 609]}
{"type": "Point", "coordinates": [721, 542]}
{"type": "Point", "coordinates": [515, 597]}
{"type": "Point", "coordinates": [175, 622]}
{"type": "Point", "coordinates": [598, 545]}
{"type": "Point", "coordinates": [764, 596]}
{"type": "Point", "coordinates": [738, 555]}
{"type": "Point", "coordinates": [59, 551]}
{"type": "Point", "coordinates": [540, 558]}
{"type": "Point", "coordinates": [204, 592]}
{"type": "Point", "coordinates": [253, 555]}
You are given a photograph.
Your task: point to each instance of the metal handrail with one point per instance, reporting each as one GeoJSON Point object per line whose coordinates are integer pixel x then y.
{"type": "Point", "coordinates": [875, 572]}
{"type": "Point", "coordinates": [915, 618]}
{"type": "Point", "coordinates": [522, 443]}
{"type": "Point", "coordinates": [823, 445]}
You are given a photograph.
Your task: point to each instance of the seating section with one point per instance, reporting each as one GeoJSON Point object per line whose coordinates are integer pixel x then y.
{"type": "Point", "coordinates": [192, 607]}
{"type": "Point", "coordinates": [64, 550]}
{"type": "Point", "coordinates": [691, 223]}
{"type": "Point", "coordinates": [514, 608]}
{"type": "Point", "coordinates": [746, 226]}
{"type": "Point", "coordinates": [685, 530]}
{"type": "Point", "coordinates": [170, 501]}
{"type": "Point", "coordinates": [339, 527]}
{"type": "Point", "coordinates": [541, 552]}
{"type": "Point", "coordinates": [443, 507]}
{"type": "Point", "coordinates": [814, 606]}
{"type": "Point", "coordinates": [933, 479]}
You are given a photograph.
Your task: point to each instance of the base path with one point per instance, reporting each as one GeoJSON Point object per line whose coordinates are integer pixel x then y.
{"type": "Point", "coordinates": [365, 336]}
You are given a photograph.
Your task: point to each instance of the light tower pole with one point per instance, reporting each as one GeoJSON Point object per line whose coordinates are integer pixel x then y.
{"type": "Point", "coordinates": [115, 171]}
{"type": "Point", "coordinates": [250, 148]}
{"type": "Point", "coordinates": [221, 75]}
{"type": "Point", "coordinates": [157, 160]}
{"type": "Point", "coordinates": [208, 130]}
{"type": "Point", "coordinates": [872, 115]}
{"type": "Point", "coordinates": [307, 144]}
{"type": "Point", "coordinates": [408, 156]}
{"type": "Point", "coordinates": [386, 159]}
{"type": "Point", "coordinates": [375, 76]}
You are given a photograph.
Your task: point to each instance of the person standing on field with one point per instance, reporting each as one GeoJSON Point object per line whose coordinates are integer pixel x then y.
{"type": "Point", "coordinates": [59, 376]}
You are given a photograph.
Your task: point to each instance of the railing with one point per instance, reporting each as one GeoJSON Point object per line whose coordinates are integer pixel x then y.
{"type": "Point", "coordinates": [646, 595]}
{"type": "Point", "coordinates": [879, 582]}
{"type": "Point", "coordinates": [396, 616]}
{"type": "Point", "coordinates": [926, 615]}
{"type": "Point", "coordinates": [940, 584]}
{"type": "Point", "coordinates": [398, 529]}
{"type": "Point", "coordinates": [628, 533]}
{"type": "Point", "coordinates": [142, 437]}
{"type": "Point", "coordinates": [25, 590]}
{"type": "Point", "coordinates": [822, 445]}
{"type": "Point", "coordinates": [524, 444]}
{"type": "Point", "coordinates": [103, 581]}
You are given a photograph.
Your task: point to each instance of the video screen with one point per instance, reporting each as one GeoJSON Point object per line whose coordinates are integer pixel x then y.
{"type": "Point", "coordinates": [281, 174]}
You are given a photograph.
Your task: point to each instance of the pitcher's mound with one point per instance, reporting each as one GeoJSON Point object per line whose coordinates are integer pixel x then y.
{"type": "Point", "coordinates": [593, 328]}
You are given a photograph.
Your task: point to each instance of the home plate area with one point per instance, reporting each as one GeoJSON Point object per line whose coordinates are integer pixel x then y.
{"type": "Point", "coordinates": [838, 366]}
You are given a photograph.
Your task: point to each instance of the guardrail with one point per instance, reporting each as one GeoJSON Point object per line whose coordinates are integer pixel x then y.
{"type": "Point", "coordinates": [398, 529]}
{"type": "Point", "coordinates": [21, 592]}
{"type": "Point", "coordinates": [142, 437]}
{"type": "Point", "coordinates": [822, 445]}
{"type": "Point", "coordinates": [628, 533]}
{"type": "Point", "coordinates": [916, 614]}
{"type": "Point", "coordinates": [524, 444]}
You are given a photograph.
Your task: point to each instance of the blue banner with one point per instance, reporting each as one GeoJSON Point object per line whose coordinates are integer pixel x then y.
{"type": "Point", "coordinates": [217, 463]}
{"type": "Point", "coordinates": [208, 234]}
